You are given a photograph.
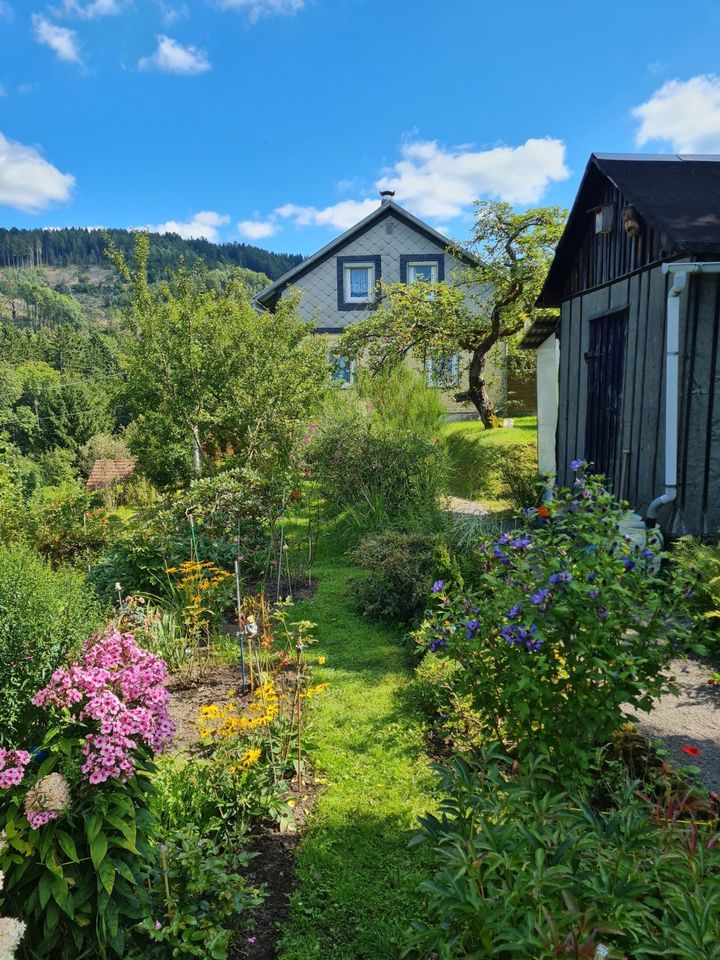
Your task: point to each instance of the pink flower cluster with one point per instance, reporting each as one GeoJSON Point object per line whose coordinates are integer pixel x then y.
{"type": "Point", "coordinates": [117, 688]}
{"type": "Point", "coordinates": [12, 767]}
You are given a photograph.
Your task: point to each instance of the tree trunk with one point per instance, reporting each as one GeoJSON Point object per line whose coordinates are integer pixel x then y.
{"type": "Point", "coordinates": [477, 391]}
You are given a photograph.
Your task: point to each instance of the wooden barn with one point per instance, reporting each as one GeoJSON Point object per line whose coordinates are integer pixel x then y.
{"type": "Point", "coordinates": [629, 376]}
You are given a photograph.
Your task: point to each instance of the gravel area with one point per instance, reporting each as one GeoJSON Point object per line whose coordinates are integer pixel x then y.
{"type": "Point", "coordinates": [469, 507]}
{"type": "Point", "coordinates": [690, 717]}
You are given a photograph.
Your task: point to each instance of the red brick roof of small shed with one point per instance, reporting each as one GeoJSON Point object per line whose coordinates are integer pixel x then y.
{"type": "Point", "coordinates": [107, 472]}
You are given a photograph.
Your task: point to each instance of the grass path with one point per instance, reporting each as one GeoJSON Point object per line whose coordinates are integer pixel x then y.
{"type": "Point", "coordinates": [357, 881]}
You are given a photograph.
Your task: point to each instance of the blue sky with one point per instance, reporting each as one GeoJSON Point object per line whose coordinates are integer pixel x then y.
{"type": "Point", "coordinates": [276, 121]}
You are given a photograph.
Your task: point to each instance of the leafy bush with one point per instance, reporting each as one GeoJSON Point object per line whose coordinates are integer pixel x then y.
{"type": "Point", "coordinates": [359, 457]}
{"type": "Point", "coordinates": [67, 524]}
{"type": "Point", "coordinates": [451, 722]}
{"type": "Point", "coordinates": [209, 522]}
{"type": "Point", "coordinates": [44, 615]}
{"type": "Point", "coordinates": [567, 623]}
{"type": "Point", "coordinates": [205, 895]}
{"type": "Point", "coordinates": [700, 563]}
{"type": "Point", "coordinates": [519, 478]}
{"type": "Point", "coordinates": [401, 568]}
{"type": "Point", "coordinates": [478, 458]}
{"type": "Point", "coordinates": [528, 871]}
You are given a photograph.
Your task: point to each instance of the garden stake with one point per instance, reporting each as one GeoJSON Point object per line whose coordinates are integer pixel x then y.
{"type": "Point", "coordinates": [282, 543]}
{"type": "Point", "coordinates": [162, 856]}
{"type": "Point", "coordinates": [241, 632]}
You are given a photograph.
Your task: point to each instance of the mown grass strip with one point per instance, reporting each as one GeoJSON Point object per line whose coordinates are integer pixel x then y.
{"type": "Point", "coordinates": [357, 880]}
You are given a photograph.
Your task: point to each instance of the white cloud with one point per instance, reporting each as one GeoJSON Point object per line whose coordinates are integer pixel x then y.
{"type": "Point", "coordinates": [204, 224]}
{"type": "Point", "coordinates": [3, 91]}
{"type": "Point", "coordinates": [91, 9]}
{"type": "Point", "coordinates": [257, 229]}
{"type": "Point", "coordinates": [172, 13]}
{"type": "Point", "coordinates": [60, 39]}
{"type": "Point", "coordinates": [435, 181]}
{"type": "Point", "coordinates": [684, 113]}
{"type": "Point", "coordinates": [339, 215]}
{"type": "Point", "coordinates": [439, 183]}
{"type": "Point", "coordinates": [27, 181]}
{"type": "Point", "coordinates": [6, 11]}
{"type": "Point", "coordinates": [256, 9]}
{"type": "Point", "coordinates": [173, 57]}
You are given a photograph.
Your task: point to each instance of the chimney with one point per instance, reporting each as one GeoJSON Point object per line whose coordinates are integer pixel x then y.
{"type": "Point", "coordinates": [386, 195]}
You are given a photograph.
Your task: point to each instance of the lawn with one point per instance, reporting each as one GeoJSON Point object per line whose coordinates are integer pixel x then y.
{"type": "Point", "coordinates": [357, 880]}
{"type": "Point", "coordinates": [476, 455]}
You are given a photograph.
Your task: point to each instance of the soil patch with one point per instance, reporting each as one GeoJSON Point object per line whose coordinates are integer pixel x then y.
{"type": "Point", "coordinates": [273, 869]}
{"type": "Point", "coordinates": [214, 683]}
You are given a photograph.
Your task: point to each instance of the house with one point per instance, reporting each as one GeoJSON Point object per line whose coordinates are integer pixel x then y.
{"type": "Point", "coordinates": [106, 473]}
{"type": "Point", "coordinates": [629, 375]}
{"type": "Point", "coordinates": [337, 285]}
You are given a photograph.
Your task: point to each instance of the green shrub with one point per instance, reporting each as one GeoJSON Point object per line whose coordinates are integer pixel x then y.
{"type": "Point", "coordinates": [359, 458]}
{"type": "Point", "coordinates": [478, 458]}
{"type": "Point", "coordinates": [44, 615]}
{"type": "Point", "coordinates": [207, 897]}
{"type": "Point", "coordinates": [451, 721]}
{"type": "Point", "coordinates": [519, 478]}
{"type": "Point", "coordinates": [401, 568]}
{"type": "Point", "coordinates": [567, 624]}
{"type": "Point", "coordinates": [700, 563]}
{"type": "Point", "coordinates": [209, 521]}
{"type": "Point", "coordinates": [528, 871]}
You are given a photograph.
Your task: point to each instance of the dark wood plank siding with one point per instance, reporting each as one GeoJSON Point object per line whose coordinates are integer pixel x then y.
{"type": "Point", "coordinates": [604, 257]}
{"type": "Point", "coordinates": [642, 419]}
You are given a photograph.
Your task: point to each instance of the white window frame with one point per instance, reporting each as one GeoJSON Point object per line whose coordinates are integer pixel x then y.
{"type": "Point", "coordinates": [431, 377]}
{"type": "Point", "coordinates": [411, 278]}
{"type": "Point", "coordinates": [340, 381]}
{"type": "Point", "coordinates": [370, 267]}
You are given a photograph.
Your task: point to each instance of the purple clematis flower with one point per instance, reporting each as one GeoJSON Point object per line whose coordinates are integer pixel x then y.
{"type": "Point", "coordinates": [563, 577]}
{"type": "Point", "coordinates": [576, 465]}
{"type": "Point", "coordinates": [540, 596]}
{"type": "Point", "coordinates": [522, 543]}
{"type": "Point", "coordinates": [602, 613]}
{"type": "Point", "coordinates": [514, 611]}
{"type": "Point", "coordinates": [502, 557]}
{"type": "Point", "coordinates": [628, 563]}
{"type": "Point", "coordinates": [437, 586]}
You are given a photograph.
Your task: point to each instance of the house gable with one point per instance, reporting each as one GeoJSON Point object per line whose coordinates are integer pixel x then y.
{"type": "Point", "coordinates": [390, 238]}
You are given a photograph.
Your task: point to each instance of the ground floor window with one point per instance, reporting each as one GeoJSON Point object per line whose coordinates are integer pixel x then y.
{"type": "Point", "coordinates": [343, 371]}
{"type": "Point", "coordinates": [442, 370]}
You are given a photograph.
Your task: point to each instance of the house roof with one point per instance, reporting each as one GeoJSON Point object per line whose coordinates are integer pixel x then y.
{"type": "Point", "coordinates": [107, 472]}
{"type": "Point", "coordinates": [270, 295]}
{"type": "Point", "coordinates": [677, 194]}
{"type": "Point", "coordinates": [538, 332]}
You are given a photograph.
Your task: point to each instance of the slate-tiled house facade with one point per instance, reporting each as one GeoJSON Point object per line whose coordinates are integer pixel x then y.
{"type": "Point", "coordinates": [389, 246]}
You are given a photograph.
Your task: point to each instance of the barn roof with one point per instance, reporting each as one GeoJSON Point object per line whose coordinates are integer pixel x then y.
{"type": "Point", "coordinates": [677, 194]}
{"type": "Point", "coordinates": [270, 295]}
{"type": "Point", "coordinates": [107, 472]}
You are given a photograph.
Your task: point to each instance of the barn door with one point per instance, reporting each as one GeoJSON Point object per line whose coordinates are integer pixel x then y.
{"type": "Point", "coordinates": [605, 375]}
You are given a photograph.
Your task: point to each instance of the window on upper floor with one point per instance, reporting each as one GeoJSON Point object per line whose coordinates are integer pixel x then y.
{"type": "Point", "coordinates": [358, 278]}
{"type": "Point", "coordinates": [442, 370]}
{"type": "Point", "coordinates": [359, 282]}
{"type": "Point", "coordinates": [427, 272]}
{"type": "Point", "coordinates": [426, 268]}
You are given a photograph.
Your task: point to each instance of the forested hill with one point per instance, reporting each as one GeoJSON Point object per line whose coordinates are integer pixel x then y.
{"type": "Point", "coordinates": [77, 246]}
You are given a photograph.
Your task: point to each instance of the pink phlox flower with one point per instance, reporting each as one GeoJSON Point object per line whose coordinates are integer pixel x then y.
{"type": "Point", "coordinates": [119, 689]}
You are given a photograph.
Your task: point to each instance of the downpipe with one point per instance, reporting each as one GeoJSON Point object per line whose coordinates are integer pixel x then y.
{"type": "Point", "coordinates": [679, 273]}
